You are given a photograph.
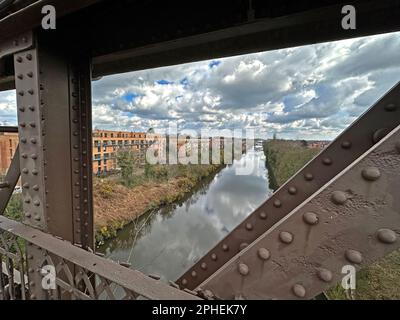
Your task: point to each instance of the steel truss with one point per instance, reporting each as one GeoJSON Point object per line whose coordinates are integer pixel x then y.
{"type": "Point", "coordinates": [340, 209]}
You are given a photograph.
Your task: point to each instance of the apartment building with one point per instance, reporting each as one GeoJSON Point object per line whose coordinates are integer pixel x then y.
{"type": "Point", "coordinates": [106, 144]}
{"type": "Point", "coordinates": [8, 145]}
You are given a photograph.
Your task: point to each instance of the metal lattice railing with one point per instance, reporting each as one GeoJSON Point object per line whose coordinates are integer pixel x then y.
{"type": "Point", "coordinates": [79, 274]}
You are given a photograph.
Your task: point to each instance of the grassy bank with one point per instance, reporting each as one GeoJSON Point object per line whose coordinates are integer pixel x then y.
{"type": "Point", "coordinates": [285, 158]}
{"type": "Point", "coordinates": [380, 280]}
{"type": "Point", "coordinates": [118, 202]}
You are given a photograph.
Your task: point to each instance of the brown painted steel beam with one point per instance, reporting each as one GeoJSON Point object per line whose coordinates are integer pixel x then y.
{"type": "Point", "coordinates": [126, 278]}
{"type": "Point", "coordinates": [351, 221]}
{"type": "Point", "coordinates": [30, 16]}
{"type": "Point", "coordinates": [380, 119]}
{"type": "Point", "coordinates": [302, 27]}
{"type": "Point", "coordinates": [10, 181]}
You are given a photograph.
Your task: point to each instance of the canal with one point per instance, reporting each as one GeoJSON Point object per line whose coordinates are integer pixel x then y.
{"type": "Point", "coordinates": [168, 241]}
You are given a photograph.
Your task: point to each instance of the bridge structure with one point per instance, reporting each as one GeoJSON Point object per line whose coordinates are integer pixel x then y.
{"type": "Point", "coordinates": [341, 208]}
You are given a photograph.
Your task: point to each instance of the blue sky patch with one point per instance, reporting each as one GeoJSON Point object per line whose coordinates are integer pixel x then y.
{"type": "Point", "coordinates": [214, 63]}
{"type": "Point", "coordinates": [130, 97]}
{"type": "Point", "coordinates": [164, 82]}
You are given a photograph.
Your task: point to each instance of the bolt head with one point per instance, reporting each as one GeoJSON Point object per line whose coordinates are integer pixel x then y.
{"type": "Point", "coordinates": [387, 236]}
{"type": "Point", "coordinates": [311, 218]}
{"type": "Point", "coordinates": [371, 173]}
{"type": "Point", "coordinates": [339, 197]}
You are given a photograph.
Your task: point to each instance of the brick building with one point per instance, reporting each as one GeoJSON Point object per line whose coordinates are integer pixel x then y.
{"type": "Point", "coordinates": [8, 145]}
{"type": "Point", "coordinates": [107, 143]}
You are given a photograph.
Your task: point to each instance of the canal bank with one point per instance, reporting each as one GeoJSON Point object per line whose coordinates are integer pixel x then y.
{"type": "Point", "coordinates": [168, 241]}
{"type": "Point", "coordinates": [118, 203]}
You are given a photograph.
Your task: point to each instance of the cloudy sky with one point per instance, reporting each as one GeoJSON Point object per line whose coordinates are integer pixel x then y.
{"type": "Point", "coordinates": [310, 92]}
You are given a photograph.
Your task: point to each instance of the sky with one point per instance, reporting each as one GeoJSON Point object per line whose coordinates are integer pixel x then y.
{"type": "Point", "coordinates": [311, 92]}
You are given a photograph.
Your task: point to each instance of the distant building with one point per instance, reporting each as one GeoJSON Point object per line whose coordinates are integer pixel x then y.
{"type": "Point", "coordinates": [8, 145]}
{"type": "Point", "coordinates": [107, 143]}
{"type": "Point", "coordinates": [318, 144]}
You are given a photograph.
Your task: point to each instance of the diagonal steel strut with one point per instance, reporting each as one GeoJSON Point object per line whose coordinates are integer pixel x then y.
{"type": "Point", "coordinates": [10, 181]}
{"type": "Point", "coordinates": [371, 127]}
{"type": "Point", "coordinates": [350, 222]}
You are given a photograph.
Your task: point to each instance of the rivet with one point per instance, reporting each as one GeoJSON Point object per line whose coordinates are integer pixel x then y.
{"type": "Point", "coordinates": [249, 226]}
{"type": "Point", "coordinates": [263, 254]}
{"type": "Point", "coordinates": [19, 59]}
{"type": "Point", "coordinates": [379, 134]}
{"type": "Point", "coordinates": [22, 124]}
{"type": "Point", "coordinates": [26, 185]}
{"type": "Point", "coordinates": [32, 124]}
{"type": "Point", "coordinates": [30, 74]}
{"type": "Point", "coordinates": [36, 187]}
{"type": "Point", "coordinates": [23, 140]}
{"type": "Point", "coordinates": [325, 275]}
{"type": "Point", "coordinates": [37, 218]}
{"type": "Point", "coordinates": [25, 171]}
{"type": "Point", "coordinates": [225, 247]}
{"type": "Point", "coordinates": [346, 144]}
{"type": "Point", "coordinates": [184, 282]}
{"type": "Point", "coordinates": [22, 109]}
{"type": "Point", "coordinates": [28, 215]}
{"type": "Point", "coordinates": [27, 201]}
{"type": "Point", "coordinates": [214, 257]}
{"type": "Point", "coordinates": [292, 190]}
{"type": "Point", "coordinates": [194, 274]}
{"type": "Point", "coordinates": [31, 92]}
{"type": "Point", "coordinates": [35, 172]}
{"type": "Point", "coordinates": [310, 218]}
{"type": "Point", "coordinates": [20, 76]}
{"type": "Point", "coordinates": [204, 266]}
{"type": "Point", "coordinates": [33, 140]}
{"type": "Point", "coordinates": [309, 176]}
{"type": "Point", "coordinates": [29, 56]}
{"type": "Point", "coordinates": [353, 256]}
{"type": "Point", "coordinates": [299, 291]}
{"type": "Point", "coordinates": [339, 197]}
{"type": "Point", "coordinates": [387, 236]}
{"type": "Point", "coordinates": [263, 215]}
{"type": "Point", "coordinates": [243, 246]}
{"type": "Point", "coordinates": [390, 107]}
{"type": "Point", "coordinates": [371, 173]}
{"type": "Point", "coordinates": [243, 269]}
{"type": "Point", "coordinates": [327, 161]}
{"type": "Point", "coordinates": [286, 237]}
{"type": "Point", "coordinates": [277, 203]}
{"type": "Point", "coordinates": [36, 203]}
{"type": "Point", "coordinates": [32, 108]}
{"type": "Point", "coordinates": [34, 156]}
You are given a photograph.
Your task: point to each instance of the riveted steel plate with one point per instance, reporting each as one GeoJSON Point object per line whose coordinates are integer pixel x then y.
{"type": "Point", "coordinates": [353, 220]}
{"type": "Point", "coordinates": [31, 144]}
{"type": "Point", "coordinates": [380, 119]}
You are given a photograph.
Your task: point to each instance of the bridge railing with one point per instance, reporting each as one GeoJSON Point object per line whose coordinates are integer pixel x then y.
{"type": "Point", "coordinates": [66, 270]}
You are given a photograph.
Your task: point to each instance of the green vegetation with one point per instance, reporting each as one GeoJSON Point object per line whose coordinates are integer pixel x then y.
{"type": "Point", "coordinates": [285, 158]}
{"type": "Point", "coordinates": [378, 281]}
{"type": "Point", "coordinates": [121, 199]}
{"type": "Point", "coordinates": [14, 209]}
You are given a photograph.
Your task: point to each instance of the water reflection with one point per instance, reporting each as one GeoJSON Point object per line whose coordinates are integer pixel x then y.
{"type": "Point", "coordinates": [168, 241]}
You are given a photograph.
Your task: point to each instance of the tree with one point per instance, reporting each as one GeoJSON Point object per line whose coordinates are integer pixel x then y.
{"type": "Point", "coordinates": [125, 161]}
